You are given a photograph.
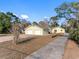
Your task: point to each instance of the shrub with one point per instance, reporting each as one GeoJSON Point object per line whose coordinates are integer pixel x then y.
{"type": "Point", "coordinates": [74, 35]}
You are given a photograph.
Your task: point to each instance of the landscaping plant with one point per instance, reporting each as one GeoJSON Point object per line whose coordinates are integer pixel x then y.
{"type": "Point", "coordinates": [74, 35]}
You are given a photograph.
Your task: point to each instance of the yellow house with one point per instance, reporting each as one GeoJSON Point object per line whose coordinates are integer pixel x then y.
{"type": "Point", "coordinates": [58, 30]}
{"type": "Point", "coordinates": [34, 30]}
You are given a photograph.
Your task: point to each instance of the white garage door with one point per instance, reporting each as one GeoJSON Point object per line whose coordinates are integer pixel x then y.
{"type": "Point", "coordinates": [38, 33]}
{"type": "Point", "coordinates": [29, 32]}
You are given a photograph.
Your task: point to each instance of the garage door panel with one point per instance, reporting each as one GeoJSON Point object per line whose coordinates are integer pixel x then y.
{"type": "Point", "coordinates": [38, 33]}
{"type": "Point", "coordinates": [29, 32]}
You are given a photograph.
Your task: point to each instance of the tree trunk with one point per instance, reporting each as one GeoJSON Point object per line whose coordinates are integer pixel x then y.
{"type": "Point", "coordinates": [16, 37]}
{"type": "Point", "coordinates": [16, 33]}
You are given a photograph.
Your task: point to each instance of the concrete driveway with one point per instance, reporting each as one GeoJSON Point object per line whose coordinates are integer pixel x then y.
{"type": "Point", "coordinates": [54, 50]}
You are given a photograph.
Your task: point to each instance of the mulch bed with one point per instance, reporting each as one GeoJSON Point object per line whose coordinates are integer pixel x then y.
{"type": "Point", "coordinates": [29, 46]}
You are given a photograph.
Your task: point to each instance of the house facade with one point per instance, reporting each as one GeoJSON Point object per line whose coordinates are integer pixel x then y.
{"type": "Point", "coordinates": [58, 30]}
{"type": "Point", "coordinates": [34, 30]}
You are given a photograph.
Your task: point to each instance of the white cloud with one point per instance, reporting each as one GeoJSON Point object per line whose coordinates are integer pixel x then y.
{"type": "Point", "coordinates": [23, 16]}
{"type": "Point", "coordinates": [16, 14]}
{"type": "Point", "coordinates": [46, 17]}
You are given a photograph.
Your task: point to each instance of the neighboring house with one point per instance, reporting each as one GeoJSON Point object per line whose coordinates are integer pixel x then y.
{"type": "Point", "coordinates": [35, 30]}
{"type": "Point", "coordinates": [58, 30]}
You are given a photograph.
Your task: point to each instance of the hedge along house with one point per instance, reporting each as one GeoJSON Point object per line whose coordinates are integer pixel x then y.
{"type": "Point", "coordinates": [35, 30]}
{"type": "Point", "coordinates": [58, 30]}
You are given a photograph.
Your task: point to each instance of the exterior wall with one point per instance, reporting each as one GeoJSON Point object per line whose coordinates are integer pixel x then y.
{"type": "Point", "coordinates": [45, 32]}
{"type": "Point", "coordinates": [34, 30]}
{"type": "Point", "coordinates": [58, 30]}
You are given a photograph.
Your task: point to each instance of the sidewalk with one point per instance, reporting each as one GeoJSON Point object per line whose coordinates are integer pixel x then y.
{"type": "Point", "coordinates": [54, 50]}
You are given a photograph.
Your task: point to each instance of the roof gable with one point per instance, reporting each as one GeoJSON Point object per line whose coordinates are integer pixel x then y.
{"type": "Point", "coordinates": [33, 26]}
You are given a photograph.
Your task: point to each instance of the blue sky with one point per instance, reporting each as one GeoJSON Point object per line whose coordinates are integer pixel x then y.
{"type": "Point", "coordinates": [36, 10]}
